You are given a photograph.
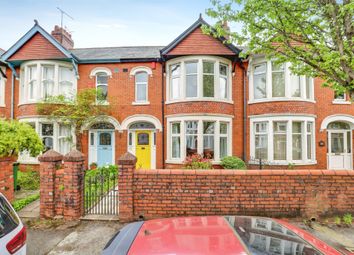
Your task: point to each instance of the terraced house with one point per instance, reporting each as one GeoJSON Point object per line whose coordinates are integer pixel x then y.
{"type": "Point", "coordinates": [195, 95]}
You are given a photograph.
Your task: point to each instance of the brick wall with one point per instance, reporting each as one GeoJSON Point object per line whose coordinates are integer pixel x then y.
{"type": "Point", "coordinates": [166, 193]}
{"type": "Point", "coordinates": [6, 177]}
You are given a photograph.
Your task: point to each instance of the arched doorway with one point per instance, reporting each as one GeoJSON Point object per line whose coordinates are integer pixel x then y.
{"type": "Point", "coordinates": [142, 143]}
{"type": "Point", "coordinates": [340, 148]}
{"type": "Point", "coordinates": [101, 144]}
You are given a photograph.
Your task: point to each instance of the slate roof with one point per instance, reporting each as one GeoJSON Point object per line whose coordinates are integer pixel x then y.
{"type": "Point", "coordinates": [117, 53]}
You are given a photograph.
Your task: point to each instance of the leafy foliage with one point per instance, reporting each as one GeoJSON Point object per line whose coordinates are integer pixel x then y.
{"type": "Point", "coordinates": [196, 161]}
{"type": "Point", "coordinates": [232, 162]}
{"type": "Point", "coordinates": [347, 219]}
{"type": "Point", "coordinates": [21, 203]}
{"type": "Point", "coordinates": [76, 111]}
{"type": "Point", "coordinates": [28, 180]}
{"type": "Point", "coordinates": [315, 36]}
{"type": "Point", "coordinates": [16, 137]}
{"type": "Point", "coordinates": [104, 170]}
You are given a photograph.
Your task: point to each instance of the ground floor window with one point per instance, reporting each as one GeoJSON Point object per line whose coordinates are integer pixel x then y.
{"type": "Point", "coordinates": [208, 136]}
{"type": "Point", "coordinates": [283, 139]}
{"type": "Point", "coordinates": [56, 136]}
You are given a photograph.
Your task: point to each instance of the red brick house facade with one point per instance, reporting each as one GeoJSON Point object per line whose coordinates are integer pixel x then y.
{"type": "Point", "coordinates": [195, 95]}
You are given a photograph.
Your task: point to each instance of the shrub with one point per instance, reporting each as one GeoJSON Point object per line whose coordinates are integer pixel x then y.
{"type": "Point", "coordinates": [16, 137]}
{"type": "Point", "coordinates": [103, 170]}
{"type": "Point", "coordinates": [28, 180]}
{"type": "Point", "coordinates": [196, 161]}
{"type": "Point", "coordinates": [348, 219]}
{"type": "Point", "coordinates": [232, 162]}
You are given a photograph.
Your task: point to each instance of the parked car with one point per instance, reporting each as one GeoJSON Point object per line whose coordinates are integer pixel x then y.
{"type": "Point", "coordinates": [12, 231]}
{"type": "Point", "coordinates": [215, 235]}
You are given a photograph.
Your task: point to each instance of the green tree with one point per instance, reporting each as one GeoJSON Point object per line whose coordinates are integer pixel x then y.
{"type": "Point", "coordinates": [315, 36]}
{"type": "Point", "coordinates": [16, 137]}
{"type": "Point", "coordinates": [77, 111]}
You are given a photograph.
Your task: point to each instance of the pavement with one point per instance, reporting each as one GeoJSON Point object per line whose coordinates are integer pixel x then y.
{"type": "Point", "coordinates": [70, 238]}
{"type": "Point", "coordinates": [30, 211]}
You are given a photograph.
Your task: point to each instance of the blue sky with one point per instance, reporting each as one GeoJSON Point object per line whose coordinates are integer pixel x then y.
{"type": "Point", "coordinates": [104, 22]}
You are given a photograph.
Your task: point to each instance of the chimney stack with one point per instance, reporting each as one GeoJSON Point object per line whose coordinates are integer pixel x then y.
{"type": "Point", "coordinates": [226, 27]}
{"type": "Point", "coordinates": [63, 37]}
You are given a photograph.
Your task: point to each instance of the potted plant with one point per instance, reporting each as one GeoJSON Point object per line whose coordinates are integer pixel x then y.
{"type": "Point", "coordinates": [93, 165]}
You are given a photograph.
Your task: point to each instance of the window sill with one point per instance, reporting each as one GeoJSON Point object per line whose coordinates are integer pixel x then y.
{"type": "Point", "coordinates": [180, 162]}
{"type": "Point", "coordinates": [285, 163]}
{"type": "Point", "coordinates": [102, 103]}
{"type": "Point", "coordinates": [141, 103]}
{"type": "Point", "coordinates": [340, 102]}
{"type": "Point", "coordinates": [199, 100]}
{"type": "Point", "coordinates": [28, 162]}
{"type": "Point", "coordinates": [280, 100]}
{"type": "Point", "coordinates": [2, 105]}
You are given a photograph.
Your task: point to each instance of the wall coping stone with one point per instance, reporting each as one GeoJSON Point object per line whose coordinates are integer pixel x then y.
{"type": "Point", "coordinates": [127, 159]}
{"type": "Point", "coordinates": [50, 156]}
{"type": "Point", "coordinates": [74, 156]}
{"type": "Point", "coordinates": [245, 172]}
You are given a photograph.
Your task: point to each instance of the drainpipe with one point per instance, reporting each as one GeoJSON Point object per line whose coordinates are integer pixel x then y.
{"type": "Point", "coordinates": [163, 110]}
{"type": "Point", "coordinates": [13, 77]}
{"type": "Point", "coordinates": [244, 111]}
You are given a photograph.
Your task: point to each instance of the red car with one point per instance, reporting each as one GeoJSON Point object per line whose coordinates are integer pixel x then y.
{"type": "Point", "coordinates": [215, 235]}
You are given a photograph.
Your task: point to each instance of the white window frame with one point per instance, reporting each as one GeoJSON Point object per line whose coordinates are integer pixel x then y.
{"type": "Point", "coordinates": [39, 92]}
{"type": "Point", "coordinates": [179, 81]}
{"type": "Point", "coordinates": [200, 119]}
{"type": "Point", "coordinates": [146, 84]}
{"type": "Point", "coordinates": [178, 135]}
{"type": "Point", "coordinates": [343, 100]}
{"type": "Point", "coordinates": [288, 119]}
{"type": "Point", "coordinates": [269, 86]}
{"type": "Point", "coordinates": [105, 101]}
{"type": "Point", "coordinates": [26, 158]}
{"type": "Point", "coordinates": [199, 59]}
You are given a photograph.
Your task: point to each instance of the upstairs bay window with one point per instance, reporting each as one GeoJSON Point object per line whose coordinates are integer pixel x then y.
{"type": "Point", "coordinates": [272, 81]}
{"type": "Point", "coordinates": [283, 139]}
{"type": "Point", "coordinates": [199, 78]}
{"type": "Point", "coordinates": [208, 136]}
{"type": "Point", "coordinates": [42, 79]}
{"type": "Point", "coordinates": [2, 88]}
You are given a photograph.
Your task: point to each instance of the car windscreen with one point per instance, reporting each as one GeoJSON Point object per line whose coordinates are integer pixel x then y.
{"type": "Point", "coordinates": [8, 219]}
{"type": "Point", "coordinates": [264, 236]}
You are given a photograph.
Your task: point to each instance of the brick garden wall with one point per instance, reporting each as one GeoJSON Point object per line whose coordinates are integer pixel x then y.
{"type": "Point", "coordinates": [290, 193]}
{"type": "Point", "coordinates": [6, 177]}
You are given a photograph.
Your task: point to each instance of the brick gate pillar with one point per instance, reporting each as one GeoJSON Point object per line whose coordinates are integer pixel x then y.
{"type": "Point", "coordinates": [6, 177]}
{"type": "Point", "coordinates": [50, 162]}
{"type": "Point", "coordinates": [126, 168]}
{"type": "Point", "coordinates": [73, 185]}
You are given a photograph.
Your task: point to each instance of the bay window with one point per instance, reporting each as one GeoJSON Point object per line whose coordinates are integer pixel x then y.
{"type": "Point", "coordinates": [223, 140]}
{"type": "Point", "coordinates": [54, 135]}
{"type": "Point", "coordinates": [199, 78]}
{"type": "Point", "coordinates": [2, 88]}
{"type": "Point", "coordinates": [272, 81]}
{"type": "Point", "coordinates": [259, 81]}
{"type": "Point", "coordinates": [283, 139]}
{"type": "Point", "coordinates": [175, 71]}
{"type": "Point", "coordinates": [191, 79]}
{"type": "Point", "coordinates": [47, 81]}
{"type": "Point", "coordinates": [208, 139]}
{"type": "Point", "coordinates": [176, 140]}
{"type": "Point", "coordinates": [208, 79]}
{"type": "Point", "coordinates": [278, 80]}
{"type": "Point", "coordinates": [279, 134]}
{"type": "Point", "coordinates": [261, 140]}
{"type": "Point", "coordinates": [207, 136]}
{"type": "Point", "coordinates": [43, 79]}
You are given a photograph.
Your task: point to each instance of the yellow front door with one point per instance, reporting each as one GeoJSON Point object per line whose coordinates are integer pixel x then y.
{"type": "Point", "coordinates": [143, 149]}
